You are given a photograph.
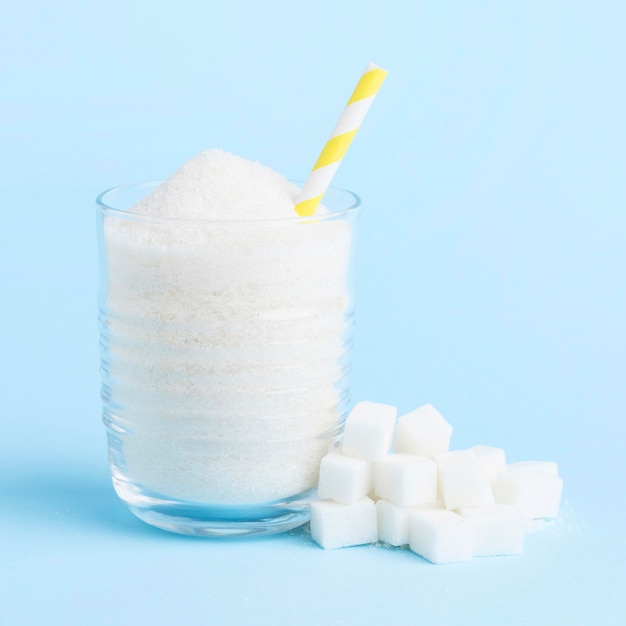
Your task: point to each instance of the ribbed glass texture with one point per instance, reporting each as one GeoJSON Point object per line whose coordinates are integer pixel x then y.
{"type": "Point", "coordinates": [225, 360]}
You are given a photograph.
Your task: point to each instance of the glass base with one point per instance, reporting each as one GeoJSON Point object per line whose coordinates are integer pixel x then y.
{"type": "Point", "coordinates": [196, 519]}
{"type": "Point", "coordinates": [174, 522]}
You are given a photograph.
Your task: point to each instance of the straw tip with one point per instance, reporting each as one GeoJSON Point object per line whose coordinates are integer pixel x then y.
{"type": "Point", "coordinates": [372, 66]}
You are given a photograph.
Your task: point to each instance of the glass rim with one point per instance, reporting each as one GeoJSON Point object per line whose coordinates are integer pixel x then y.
{"type": "Point", "coordinates": [102, 205]}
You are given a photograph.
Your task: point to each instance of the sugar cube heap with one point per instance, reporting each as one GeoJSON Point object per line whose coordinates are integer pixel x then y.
{"type": "Point", "coordinates": [446, 506]}
{"type": "Point", "coordinates": [228, 322]}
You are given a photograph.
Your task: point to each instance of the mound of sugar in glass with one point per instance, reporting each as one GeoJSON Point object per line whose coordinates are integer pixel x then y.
{"type": "Point", "coordinates": [218, 185]}
{"type": "Point", "coordinates": [227, 326]}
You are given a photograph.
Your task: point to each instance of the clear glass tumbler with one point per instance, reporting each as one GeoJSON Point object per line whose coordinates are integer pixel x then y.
{"type": "Point", "coordinates": [225, 360]}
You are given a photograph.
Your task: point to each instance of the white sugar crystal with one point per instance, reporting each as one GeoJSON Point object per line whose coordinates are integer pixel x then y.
{"type": "Point", "coordinates": [219, 185]}
{"type": "Point", "coordinates": [440, 536]}
{"type": "Point", "coordinates": [536, 493]}
{"type": "Point", "coordinates": [335, 525]}
{"type": "Point", "coordinates": [226, 337]}
{"type": "Point", "coordinates": [492, 460]}
{"type": "Point", "coordinates": [498, 529]}
{"type": "Point", "coordinates": [461, 482]}
{"type": "Point", "coordinates": [344, 479]}
{"type": "Point", "coordinates": [368, 432]}
{"type": "Point", "coordinates": [406, 479]}
{"type": "Point", "coordinates": [423, 432]}
{"type": "Point", "coordinates": [547, 467]}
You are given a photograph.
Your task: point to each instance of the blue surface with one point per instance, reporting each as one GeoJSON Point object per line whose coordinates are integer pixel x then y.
{"type": "Point", "coordinates": [491, 283]}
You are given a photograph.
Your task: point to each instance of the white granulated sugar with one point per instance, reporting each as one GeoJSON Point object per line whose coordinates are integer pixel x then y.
{"type": "Point", "coordinates": [226, 337]}
{"type": "Point", "coordinates": [220, 185]}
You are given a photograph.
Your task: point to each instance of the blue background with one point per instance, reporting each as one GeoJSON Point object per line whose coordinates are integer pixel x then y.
{"type": "Point", "coordinates": [491, 282]}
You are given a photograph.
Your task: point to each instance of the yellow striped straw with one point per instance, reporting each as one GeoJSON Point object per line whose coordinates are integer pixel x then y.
{"type": "Point", "coordinates": [336, 147]}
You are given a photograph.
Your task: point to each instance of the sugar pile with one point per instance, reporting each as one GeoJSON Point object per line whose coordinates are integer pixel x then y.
{"type": "Point", "coordinates": [219, 185]}
{"type": "Point", "coordinates": [447, 506]}
{"type": "Point", "coordinates": [226, 341]}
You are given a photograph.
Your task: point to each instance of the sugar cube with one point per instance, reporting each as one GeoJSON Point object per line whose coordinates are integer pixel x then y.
{"type": "Point", "coordinates": [440, 536]}
{"type": "Point", "coordinates": [498, 529]}
{"type": "Point", "coordinates": [461, 482]}
{"type": "Point", "coordinates": [448, 506]}
{"type": "Point", "coordinates": [406, 479]}
{"type": "Point", "coordinates": [393, 522]}
{"type": "Point", "coordinates": [344, 478]}
{"type": "Point", "coordinates": [335, 525]}
{"type": "Point", "coordinates": [430, 506]}
{"type": "Point", "coordinates": [368, 431]}
{"type": "Point", "coordinates": [423, 432]}
{"type": "Point", "coordinates": [492, 461]}
{"type": "Point", "coordinates": [547, 467]}
{"type": "Point", "coordinates": [537, 493]}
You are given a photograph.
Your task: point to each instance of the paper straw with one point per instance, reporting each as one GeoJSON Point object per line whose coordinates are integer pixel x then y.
{"type": "Point", "coordinates": [326, 165]}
